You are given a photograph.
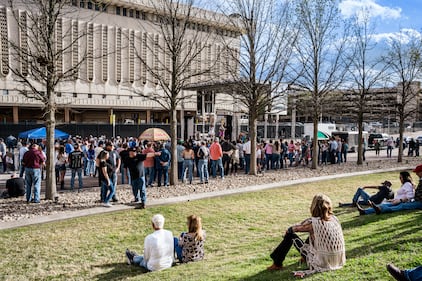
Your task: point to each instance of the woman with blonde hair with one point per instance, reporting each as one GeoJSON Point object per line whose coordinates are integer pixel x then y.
{"type": "Point", "coordinates": [324, 249]}
{"type": "Point", "coordinates": [190, 245]}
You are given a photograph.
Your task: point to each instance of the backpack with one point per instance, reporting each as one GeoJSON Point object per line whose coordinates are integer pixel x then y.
{"type": "Point", "coordinates": [203, 152]}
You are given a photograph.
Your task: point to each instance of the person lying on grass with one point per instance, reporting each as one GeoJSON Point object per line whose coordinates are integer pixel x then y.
{"type": "Point", "coordinates": [190, 245]}
{"type": "Point", "coordinates": [324, 249]}
{"type": "Point", "coordinates": [406, 198]}
{"type": "Point", "coordinates": [361, 197]}
{"type": "Point", "coordinates": [405, 194]}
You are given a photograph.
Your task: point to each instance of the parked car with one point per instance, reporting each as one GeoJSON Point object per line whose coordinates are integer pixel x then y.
{"type": "Point", "coordinates": [381, 138]}
{"type": "Point", "coordinates": [419, 139]}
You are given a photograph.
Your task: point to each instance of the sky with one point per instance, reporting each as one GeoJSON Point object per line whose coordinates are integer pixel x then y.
{"type": "Point", "coordinates": [389, 16]}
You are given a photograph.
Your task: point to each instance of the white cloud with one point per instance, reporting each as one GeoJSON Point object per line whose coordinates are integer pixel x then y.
{"type": "Point", "coordinates": [404, 35]}
{"type": "Point", "coordinates": [351, 8]}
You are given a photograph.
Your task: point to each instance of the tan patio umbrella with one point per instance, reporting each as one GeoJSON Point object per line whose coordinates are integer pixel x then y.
{"type": "Point", "coordinates": [154, 134]}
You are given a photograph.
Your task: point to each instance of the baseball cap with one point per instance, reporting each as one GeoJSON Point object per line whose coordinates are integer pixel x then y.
{"type": "Point", "coordinates": [387, 183]}
{"type": "Point", "coordinates": [418, 169]}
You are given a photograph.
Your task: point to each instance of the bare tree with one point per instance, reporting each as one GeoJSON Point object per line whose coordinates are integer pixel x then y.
{"type": "Point", "coordinates": [37, 61]}
{"type": "Point", "coordinates": [266, 49]}
{"type": "Point", "coordinates": [320, 53]}
{"type": "Point", "coordinates": [174, 58]}
{"type": "Point", "coordinates": [404, 57]}
{"type": "Point", "coordinates": [367, 70]}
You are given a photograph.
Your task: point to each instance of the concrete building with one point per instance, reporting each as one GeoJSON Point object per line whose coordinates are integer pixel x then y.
{"type": "Point", "coordinates": [107, 82]}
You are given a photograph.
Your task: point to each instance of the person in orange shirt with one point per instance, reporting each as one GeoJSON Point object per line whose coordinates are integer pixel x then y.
{"type": "Point", "coordinates": [216, 154]}
{"type": "Point", "coordinates": [149, 165]}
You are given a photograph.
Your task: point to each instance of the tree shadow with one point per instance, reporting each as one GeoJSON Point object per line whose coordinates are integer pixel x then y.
{"type": "Point", "coordinates": [119, 271]}
{"type": "Point", "coordinates": [397, 232]}
{"type": "Point", "coordinates": [285, 274]}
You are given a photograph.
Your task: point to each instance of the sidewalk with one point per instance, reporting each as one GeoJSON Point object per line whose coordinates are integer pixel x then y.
{"type": "Point", "coordinates": [174, 200]}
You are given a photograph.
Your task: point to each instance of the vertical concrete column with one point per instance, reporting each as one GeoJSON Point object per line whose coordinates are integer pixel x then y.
{"type": "Point", "coordinates": [148, 116]}
{"type": "Point", "coordinates": [15, 114]}
{"type": "Point", "coordinates": [66, 115]}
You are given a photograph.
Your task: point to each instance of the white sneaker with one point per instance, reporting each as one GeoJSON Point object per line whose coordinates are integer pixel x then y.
{"type": "Point", "coordinates": [108, 205]}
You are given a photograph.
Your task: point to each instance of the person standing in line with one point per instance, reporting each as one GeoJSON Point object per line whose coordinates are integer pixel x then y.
{"type": "Point", "coordinates": [97, 151]}
{"type": "Point", "coordinates": [33, 160]}
{"type": "Point", "coordinates": [268, 149]}
{"type": "Point", "coordinates": [90, 170]}
{"type": "Point", "coordinates": [75, 160]}
{"type": "Point", "coordinates": [247, 154]}
{"type": "Point", "coordinates": [216, 154]}
{"type": "Point", "coordinates": [134, 163]}
{"type": "Point", "coordinates": [149, 165]}
{"type": "Point", "coordinates": [105, 173]}
{"type": "Point", "coordinates": [115, 164]}
{"type": "Point", "coordinates": [227, 149]}
{"type": "Point", "coordinates": [164, 159]}
{"type": "Point", "coordinates": [239, 146]}
{"type": "Point", "coordinates": [188, 156]}
{"type": "Point", "coordinates": [61, 161]}
{"type": "Point", "coordinates": [22, 151]}
{"type": "Point", "coordinates": [124, 153]}
{"type": "Point", "coordinates": [390, 145]}
{"type": "Point", "coordinates": [179, 149]}
{"type": "Point", "coordinates": [203, 154]}
{"type": "Point", "coordinates": [158, 248]}
{"type": "Point", "coordinates": [344, 150]}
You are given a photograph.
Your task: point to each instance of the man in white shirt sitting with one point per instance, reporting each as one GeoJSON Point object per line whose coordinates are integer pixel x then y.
{"type": "Point", "coordinates": [158, 248]}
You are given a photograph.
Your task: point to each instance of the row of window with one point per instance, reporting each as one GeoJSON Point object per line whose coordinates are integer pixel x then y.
{"type": "Point", "coordinates": [75, 95]}
{"type": "Point", "coordinates": [125, 12]}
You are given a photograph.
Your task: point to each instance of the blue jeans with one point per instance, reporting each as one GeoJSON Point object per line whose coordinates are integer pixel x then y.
{"type": "Point", "coordinates": [139, 260]}
{"type": "Point", "coordinates": [275, 161]}
{"type": "Point", "coordinates": [139, 190]}
{"type": "Point", "coordinates": [149, 175]}
{"type": "Point", "coordinates": [163, 171]}
{"type": "Point", "coordinates": [414, 274]}
{"type": "Point", "coordinates": [179, 170]}
{"type": "Point", "coordinates": [90, 168]}
{"type": "Point", "coordinates": [107, 191]}
{"type": "Point", "coordinates": [188, 164]}
{"type": "Point", "coordinates": [72, 179]}
{"type": "Point", "coordinates": [214, 164]}
{"type": "Point", "coordinates": [247, 163]}
{"type": "Point", "coordinates": [203, 170]}
{"type": "Point", "coordinates": [124, 173]}
{"type": "Point", "coordinates": [389, 208]}
{"type": "Point", "coordinates": [177, 249]}
{"type": "Point", "coordinates": [33, 177]}
{"type": "Point", "coordinates": [268, 160]}
{"type": "Point", "coordinates": [361, 193]}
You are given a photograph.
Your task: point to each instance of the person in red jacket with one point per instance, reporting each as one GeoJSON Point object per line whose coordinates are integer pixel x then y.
{"type": "Point", "coordinates": [216, 154]}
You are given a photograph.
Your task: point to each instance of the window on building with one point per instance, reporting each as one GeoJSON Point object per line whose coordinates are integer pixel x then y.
{"type": "Point", "coordinates": [118, 11]}
{"type": "Point", "coordinates": [89, 4]}
{"type": "Point", "coordinates": [125, 12]}
{"type": "Point", "coordinates": [59, 95]}
{"type": "Point", "coordinates": [137, 14]}
{"type": "Point", "coordinates": [74, 2]}
{"type": "Point", "coordinates": [97, 7]}
{"type": "Point", "coordinates": [104, 96]}
{"type": "Point", "coordinates": [90, 96]}
{"type": "Point", "coordinates": [75, 95]}
{"type": "Point", "coordinates": [131, 13]}
{"type": "Point", "coordinates": [82, 4]}
{"type": "Point", "coordinates": [5, 92]}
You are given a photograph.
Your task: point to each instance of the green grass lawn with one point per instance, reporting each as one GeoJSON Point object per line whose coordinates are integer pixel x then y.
{"type": "Point", "coordinates": [242, 230]}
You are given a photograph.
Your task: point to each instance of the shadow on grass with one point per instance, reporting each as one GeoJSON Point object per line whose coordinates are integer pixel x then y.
{"type": "Point", "coordinates": [397, 233]}
{"type": "Point", "coordinates": [285, 274]}
{"type": "Point", "coordinates": [119, 271]}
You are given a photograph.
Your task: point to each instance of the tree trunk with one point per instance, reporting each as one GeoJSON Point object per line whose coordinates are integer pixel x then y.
{"type": "Point", "coordinates": [360, 140]}
{"type": "Point", "coordinates": [252, 137]}
{"type": "Point", "coordinates": [401, 140]}
{"type": "Point", "coordinates": [173, 136]}
{"type": "Point", "coordinates": [315, 144]}
{"type": "Point", "coordinates": [50, 184]}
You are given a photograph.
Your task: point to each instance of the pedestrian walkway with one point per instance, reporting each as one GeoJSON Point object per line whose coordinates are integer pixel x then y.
{"type": "Point", "coordinates": [187, 198]}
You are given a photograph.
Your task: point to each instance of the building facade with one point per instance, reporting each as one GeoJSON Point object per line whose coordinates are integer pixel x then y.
{"type": "Point", "coordinates": [105, 88]}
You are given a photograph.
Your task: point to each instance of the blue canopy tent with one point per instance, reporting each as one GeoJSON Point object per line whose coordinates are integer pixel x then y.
{"type": "Point", "coordinates": [41, 133]}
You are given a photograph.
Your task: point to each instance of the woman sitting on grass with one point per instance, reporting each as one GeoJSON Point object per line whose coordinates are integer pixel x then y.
{"type": "Point", "coordinates": [405, 194]}
{"type": "Point", "coordinates": [190, 245]}
{"type": "Point", "coordinates": [324, 249]}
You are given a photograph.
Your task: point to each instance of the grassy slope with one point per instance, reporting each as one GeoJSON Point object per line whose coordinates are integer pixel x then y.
{"type": "Point", "coordinates": [241, 230]}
